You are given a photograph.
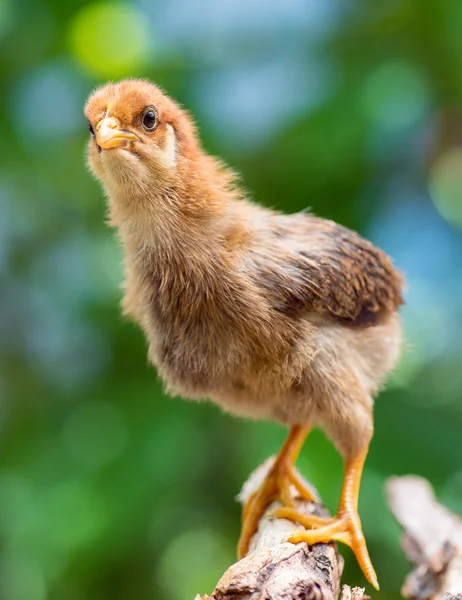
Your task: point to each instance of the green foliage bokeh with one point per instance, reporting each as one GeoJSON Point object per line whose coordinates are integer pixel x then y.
{"type": "Point", "coordinates": [108, 489]}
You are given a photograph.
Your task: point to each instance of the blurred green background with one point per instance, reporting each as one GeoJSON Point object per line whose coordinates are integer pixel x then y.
{"type": "Point", "coordinates": [109, 490]}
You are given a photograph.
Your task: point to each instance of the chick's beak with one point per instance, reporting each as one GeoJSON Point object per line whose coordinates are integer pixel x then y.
{"type": "Point", "coordinates": [108, 134]}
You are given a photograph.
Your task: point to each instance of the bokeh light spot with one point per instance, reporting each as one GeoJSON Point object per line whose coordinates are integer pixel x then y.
{"type": "Point", "coordinates": [396, 95]}
{"type": "Point", "coordinates": [109, 39]}
{"type": "Point", "coordinates": [72, 515]}
{"type": "Point", "coordinates": [5, 16]}
{"type": "Point", "coordinates": [446, 185]}
{"type": "Point", "coordinates": [193, 561]}
{"type": "Point", "coordinates": [54, 92]}
{"type": "Point", "coordinates": [21, 578]}
{"type": "Point", "coordinates": [95, 434]}
{"type": "Point", "coordinates": [16, 504]}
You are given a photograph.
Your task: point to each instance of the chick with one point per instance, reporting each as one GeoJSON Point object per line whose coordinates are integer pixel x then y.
{"type": "Point", "coordinates": [272, 316]}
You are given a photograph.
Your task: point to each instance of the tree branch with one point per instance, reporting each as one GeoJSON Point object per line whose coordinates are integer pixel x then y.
{"type": "Point", "coordinates": [277, 570]}
{"type": "Point", "coordinates": [432, 540]}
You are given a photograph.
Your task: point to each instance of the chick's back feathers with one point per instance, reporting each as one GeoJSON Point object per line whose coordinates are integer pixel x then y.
{"type": "Point", "coordinates": [305, 263]}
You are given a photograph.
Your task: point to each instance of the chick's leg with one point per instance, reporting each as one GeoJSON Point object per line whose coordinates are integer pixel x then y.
{"type": "Point", "coordinates": [345, 527]}
{"type": "Point", "coordinates": [275, 486]}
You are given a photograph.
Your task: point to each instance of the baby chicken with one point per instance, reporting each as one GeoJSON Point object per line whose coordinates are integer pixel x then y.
{"type": "Point", "coordinates": [271, 316]}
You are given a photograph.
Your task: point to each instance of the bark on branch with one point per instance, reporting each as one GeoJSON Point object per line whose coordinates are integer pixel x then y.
{"type": "Point", "coordinates": [277, 570]}
{"type": "Point", "coordinates": [432, 540]}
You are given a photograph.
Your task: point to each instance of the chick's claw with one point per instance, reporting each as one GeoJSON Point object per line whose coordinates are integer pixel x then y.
{"type": "Point", "coordinates": [276, 486]}
{"type": "Point", "coordinates": [344, 528]}
{"type": "Point", "coordinates": [307, 521]}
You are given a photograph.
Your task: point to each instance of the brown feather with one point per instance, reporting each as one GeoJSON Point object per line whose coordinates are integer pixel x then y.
{"type": "Point", "coordinates": [317, 265]}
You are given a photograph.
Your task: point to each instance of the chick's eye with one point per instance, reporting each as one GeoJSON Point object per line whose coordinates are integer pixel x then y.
{"type": "Point", "coordinates": [90, 128]}
{"type": "Point", "coordinates": [149, 119]}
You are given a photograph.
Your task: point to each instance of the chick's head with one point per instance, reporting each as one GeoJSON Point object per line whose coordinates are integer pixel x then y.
{"type": "Point", "coordinates": [138, 136]}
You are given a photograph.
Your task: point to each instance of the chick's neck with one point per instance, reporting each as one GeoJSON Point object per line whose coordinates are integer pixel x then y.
{"type": "Point", "coordinates": [194, 222]}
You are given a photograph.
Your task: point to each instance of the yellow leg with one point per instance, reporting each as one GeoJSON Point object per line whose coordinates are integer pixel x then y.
{"type": "Point", "coordinates": [275, 486]}
{"type": "Point", "coordinates": [345, 527]}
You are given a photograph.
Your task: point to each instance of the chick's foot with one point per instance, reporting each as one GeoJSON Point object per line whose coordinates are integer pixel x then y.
{"type": "Point", "coordinates": [345, 527]}
{"type": "Point", "coordinates": [276, 486]}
